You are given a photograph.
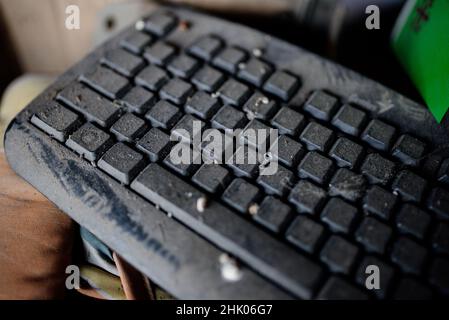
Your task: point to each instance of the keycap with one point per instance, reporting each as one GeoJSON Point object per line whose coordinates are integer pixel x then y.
{"type": "Point", "coordinates": [229, 59]}
{"type": "Point", "coordinates": [136, 42]}
{"type": "Point", "coordinates": [183, 66]}
{"type": "Point", "coordinates": [256, 134]}
{"type": "Point", "coordinates": [129, 127]}
{"type": "Point", "coordinates": [386, 274]}
{"type": "Point", "coordinates": [93, 106]}
{"type": "Point", "coordinates": [244, 162]}
{"type": "Point", "coordinates": [339, 254]}
{"type": "Point", "coordinates": [202, 105]}
{"type": "Point", "coordinates": [443, 172]}
{"type": "Point", "coordinates": [56, 121]}
{"type": "Point", "coordinates": [186, 169]}
{"type": "Point", "coordinates": [234, 93]}
{"type": "Point", "coordinates": [315, 167]}
{"type": "Point", "coordinates": [338, 289]}
{"type": "Point", "coordinates": [229, 118]}
{"type": "Point", "coordinates": [241, 194]}
{"type": "Point", "coordinates": [307, 197]}
{"type": "Point", "coordinates": [121, 162]}
{"type": "Point", "coordinates": [379, 201]}
{"type": "Point", "coordinates": [176, 91]}
{"type": "Point", "coordinates": [373, 235]}
{"type": "Point", "coordinates": [152, 78]}
{"type": "Point", "coordinates": [160, 24]}
{"type": "Point", "coordinates": [440, 238]}
{"type": "Point", "coordinates": [321, 105]}
{"type": "Point", "coordinates": [138, 100]}
{"type": "Point", "coordinates": [212, 178]}
{"type": "Point", "coordinates": [123, 62]}
{"type": "Point", "coordinates": [188, 128]}
{"type": "Point", "coordinates": [208, 79]}
{"type": "Point", "coordinates": [159, 53]}
{"type": "Point", "coordinates": [409, 185]}
{"type": "Point", "coordinates": [347, 184]}
{"type": "Point", "coordinates": [259, 106]}
{"type": "Point", "coordinates": [305, 233]}
{"type": "Point", "coordinates": [163, 115]}
{"type": "Point", "coordinates": [410, 289]}
{"type": "Point", "coordinates": [409, 150]}
{"type": "Point", "coordinates": [273, 214]}
{"type": "Point", "coordinates": [378, 169]}
{"type": "Point", "coordinates": [288, 121]}
{"type": "Point", "coordinates": [339, 215]}
{"type": "Point", "coordinates": [279, 183]}
{"type": "Point", "coordinates": [438, 202]}
{"type": "Point", "coordinates": [282, 85]}
{"type": "Point", "coordinates": [408, 255]}
{"type": "Point", "coordinates": [217, 146]}
{"type": "Point", "coordinates": [107, 82]}
{"type": "Point", "coordinates": [439, 274]}
{"type": "Point", "coordinates": [155, 143]}
{"type": "Point", "coordinates": [243, 239]}
{"type": "Point", "coordinates": [255, 71]}
{"type": "Point", "coordinates": [317, 137]}
{"type": "Point", "coordinates": [206, 47]}
{"type": "Point", "coordinates": [346, 152]}
{"type": "Point", "coordinates": [412, 220]}
{"type": "Point", "coordinates": [349, 120]}
{"type": "Point", "coordinates": [289, 152]}
{"type": "Point", "coordinates": [89, 141]}
{"type": "Point", "coordinates": [379, 134]}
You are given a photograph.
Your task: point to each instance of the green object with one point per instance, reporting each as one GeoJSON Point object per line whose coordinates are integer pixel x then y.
{"type": "Point", "coordinates": [421, 41]}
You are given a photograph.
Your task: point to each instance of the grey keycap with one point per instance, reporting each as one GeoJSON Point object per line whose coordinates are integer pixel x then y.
{"type": "Point", "coordinates": [160, 24]}
{"type": "Point", "coordinates": [317, 137]}
{"type": "Point", "coordinates": [138, 100]}
{"type": "Point", "coordinates": [188, 128]}
{"type": "Point", "coordinates": [438, 202]}
{"type": "Point", "coordinates": [346, 152]}
{"type": "Point", "coordinates": [208, 79]}
{"type": "Point", "coordinates": [89, 141]}
{"type": "Point", "coordinates": [289, 152]}
{"type": "Point", "coordinates": [123, 62]}
{"type": "Point", "coordinates": [229, 59]}
{"type": "Point", "coordinates": [212, 178]}
{"type": "Point", "coordinates": [255, 72]}
{"type": "Point", "coordinates": [186, 169]}
{"type": "Point", "coordinates": [379, 201]}
{"type": "Point", "coordinates": [241, 194]}
{"type": "Point", "coordinates": [349, 120]}
{"type": "Point", "coordinates": [234, 93]}
{"type": "Point", "coordinates": [347, 184]}
{"type": "Point", "coordinates": [273, 214]}
{"type": "Point", "coordinates": [408, 255]}
{"type": "Point", "coordinates": [183, 66]}
{"type": "Point", "coordinates": [316, 167]}
{"type": "Point", "coordinates": [410, 186]}
{"type": "Point", "coordinates": [155, 143]}
{"type": "Point", "coordinates": [282, 85]}
{"type": "Point", "coordinates": [245, 162]}
{"type": "Point", "coordinates": [206, 47]}
{"type": "Point", "coordinates": [307, 197]}
{"type": "Point", "coordinates": [305, 234]}
{"type": "Point", "coordinates": [152, 78]}
{"type": "Point", "coordinates": [339, 254]}
{"type": "Point", "coordinates": [159, 53]}
{"type": "Point", "coordinates": [202, 105]}
{"type": "Point", "coordinates": [176, 91]}
{"type": "Point", "coordinates": [409, 150]}
{"type": "Point", "coordinates": [129, 127]}
{"type": "Point", "coordinates": [321, 105]}
{"type": "Point", "coordinates": [379, 134]}
{"type": "Point", "coordinates": [107, 82]}
{"type": "Point", "coordinates": [136, 42]}
{"type": "Point", "coordinates": [412, 220]}
{"type": "Point", "coordinates": [373, 235]}
{"type": "Point", "coordinates": [339, 215]}
{"type": "Point", "coordinates": [259, 106]}
{"type": "Point", "coordinates": [229, 118]}
{"type": "Point", "coordinates": [279, 183]}
{"type": "Point", "coordinates": [288, 121]}
{"type": "Point", "coordinates": [163, 115]}
{"type": "Point", "coordinates": [378, 169]}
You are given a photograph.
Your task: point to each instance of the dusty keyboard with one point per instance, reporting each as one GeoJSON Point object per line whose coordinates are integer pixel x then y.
{"type": "Point", "coordinates": [362, 176]}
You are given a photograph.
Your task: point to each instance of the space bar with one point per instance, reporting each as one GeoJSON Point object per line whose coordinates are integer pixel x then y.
{"type": "Point", "coordinates": [273, 259]}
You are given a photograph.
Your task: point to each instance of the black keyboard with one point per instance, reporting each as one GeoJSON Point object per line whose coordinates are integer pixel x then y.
{"type": "Point", "coordinates": [362, 177]}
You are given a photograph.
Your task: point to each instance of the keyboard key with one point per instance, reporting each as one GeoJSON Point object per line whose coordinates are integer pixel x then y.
{"type": "Point", "coordinates": [129, 127]}
{"type": "Point", "coordinates": [212, 178]}
{"type": "Point", "coordinates": [305, 233]}
{"type": "Point", "coordinates": [379, 202]}
{"type": "Point", "coordinates": [440, 238]}
{"type": "Point", "coordinates": [315, 167]}
{"type": "Point", "coordinates": [259, 107]}
{"type": "Point", "coordinates": [122, 163]}
{"type": "Point", "coordinates": [255, 72]}
{"type": "Point", "coordinates": [438, 202]}
{"type": "Point", "coordinates": [373, 235]}
{"type": "Point", "coordinates": [346, 153]}
{"type": "Point", "coordinates": [256, 134]}
{"type": "Point", "coordinates": [307, 197]}
{"type": "Point", "coordinates": [338, 289]}
{"type": "Point", "coordinates": [163, 115]}
{"type": "Point", "coordinates": [347, 184]}
{"type": "Point", "coordinates": [188, 128]}
{"type": "Point", "coordinates": [386, 273]}
{"type": "Point", "coordinates": [234, 93]}
{"type": "Point", "coordinates": [183, 66]}
{"type": "Point", "coordinates": [412, 220]}
{"type": "Point", "coordinates": [183, 168]}
{"type": "Point", "coordinates": [207, 47]}
{"type": "Point", "coordinates": [409, 150]}
{"type": "Point", "coordinates": [152, 78]}
{"type": "Point", "coordinates": [160, 24]}
{"type": "Point", "coordinates": [443, 172]}
{"type": "Point", "coordinates": [208, 79]}
{"type": "Point", "coordinates": [123, 62]}
{"type": "Point", "coordinates": [410, 186]}
{"type": "Point", "coordinates": [240, 195]}
{"type": "Point", "coordinates": [408, 255]}
{"type": "Point", "coordinates": [273, 214]}
{"type": "Point", "coordinates": [217, 147]}
{"type": "Point", "coordinates": [93, 106]}
{"type": "Point", "coordinates": [410, 289]}
{"type": "Point", "coordinates": [378, 134]}
{"type": "Point", "coordinates": [282, 85]}
{"type": "Point", "coordinates": [317, 137]}
{"type": "Point", "coordinates": [106, 82]}
{"type": "Point", "coordinates": [155, 143]}
{"type": "Point", "coordinates": [202, 105]}
{"type": "Point", "coordinates": [138, 100]}
{"type": "Point", "coordinates": [176, 91]}
{"type": "Point", "coordinates": [279, 183]}
{"type": "Point", "coordinates": [289, 152]}
{"type": "Point", "coordinates": [228, 119]}
{"type": "Point", "coordinates": [136, 42]}
{"type": "Point", "coordinates": [159, 53]}
{"type": "Point", "coordinates": [288, 121]}
{"type": "Point", "coordinates": [89, 141]}
{"type": "Point", "coordinates": [244, 162]}
{"type": "Point", "coordinates": [349, 120]}
{"type": "Point", "coordinates": [439, 276]}
{"type": "Point", "coordinates": [339, 215]}
{"type": "Point", "coordinates": [321, 105]}
{"type": "Point", "coordinates": [339, 254]}
{"type": "Point", "coordinates": [56, 121]}
{"type": "Point", "coordinates": [229, 59]}
{"type": "Point", "coordinates": [378, 169]}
